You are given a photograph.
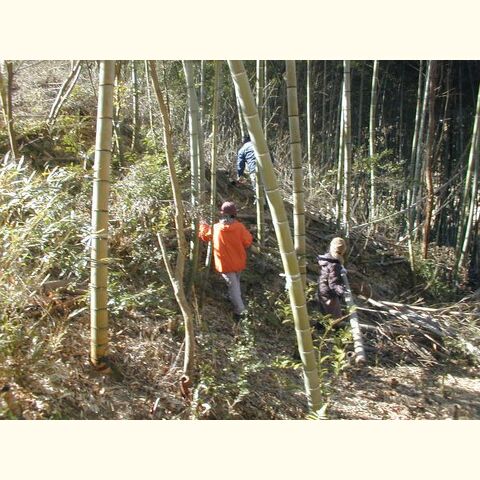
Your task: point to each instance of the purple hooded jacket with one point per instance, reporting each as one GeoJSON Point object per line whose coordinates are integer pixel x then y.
{"type": "Point", "coordinates": [330, 283]}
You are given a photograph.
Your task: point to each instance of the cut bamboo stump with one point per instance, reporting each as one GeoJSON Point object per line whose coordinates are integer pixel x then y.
{"type": "Point", "coordinates": [358, 348]}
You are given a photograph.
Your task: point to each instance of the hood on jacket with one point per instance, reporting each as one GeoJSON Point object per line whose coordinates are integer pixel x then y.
{"type": "Point", "coordinates": [327, 258]}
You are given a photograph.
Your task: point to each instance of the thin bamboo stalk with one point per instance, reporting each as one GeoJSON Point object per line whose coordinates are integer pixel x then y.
{"type": "Point", "coordinates": [470, 190]}
{"type": "Point", "coordinates": [371, 143]}
{"type": "Point", "coordinates": [64, 92]}
{"type": "Point", "coordinates": [6, 100]}
{"type": "Point", "coordinates": [259, 188]}
{"type": "Point", "coordinates": [195, 166]}
{"type": "Point", "coordinates": [419, 161]}
{"type": "Point", "coordinates": [213, 165]}
{"type": "Point", "coordinates": [429, 157]}
{"type": "Point", "coordinates": [340, 167]}
{"type": "Point", "coordinates": [177, 278]}
{"type": "Point", "coordinates": [411, 196]}
{"type": "Point", "coordinates": [347, 173]}
{"type": "Point", "coordinates": [309, 125]}
{"type": "Point", "coordinates": [135, 107]}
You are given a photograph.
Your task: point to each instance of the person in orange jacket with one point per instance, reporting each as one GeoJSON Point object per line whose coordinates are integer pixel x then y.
{"type": "Point", "coordinates": [230, 240]}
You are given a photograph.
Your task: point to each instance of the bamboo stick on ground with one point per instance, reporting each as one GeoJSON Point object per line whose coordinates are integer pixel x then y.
{"type": "Point", "coordinates": [360, 356]}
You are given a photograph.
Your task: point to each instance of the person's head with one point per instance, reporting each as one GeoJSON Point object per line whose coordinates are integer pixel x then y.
{"type": "Point", "coordinates": [246, 138]}
{"type": "Point", "coordinates": [338, 248]}
{"type": "Point", "coordinates": [228, 209]}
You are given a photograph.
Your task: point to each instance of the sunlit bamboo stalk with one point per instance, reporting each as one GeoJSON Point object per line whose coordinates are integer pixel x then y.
{"type": "Point", "coordinates": [282, 231]}
{"type": "Point", "coordinates": [297, 169]}
{"type": "Point", "coordinates": [100, 199]}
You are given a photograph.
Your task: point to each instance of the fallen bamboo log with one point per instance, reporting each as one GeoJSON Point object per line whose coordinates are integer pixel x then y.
{"type": "Point", "coordinates": [358, 348]}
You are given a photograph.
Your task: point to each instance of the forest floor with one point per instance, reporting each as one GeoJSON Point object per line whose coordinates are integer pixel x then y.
{"type": "Point", "coordinates": [250, 371]}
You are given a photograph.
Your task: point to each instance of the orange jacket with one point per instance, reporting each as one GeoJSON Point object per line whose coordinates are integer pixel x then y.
{"type": "Point", "coordinates": [229, 243]}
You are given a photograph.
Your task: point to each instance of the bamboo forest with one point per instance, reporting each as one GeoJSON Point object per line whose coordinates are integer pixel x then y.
{"type": "Point", "coordinates": [239, 240]}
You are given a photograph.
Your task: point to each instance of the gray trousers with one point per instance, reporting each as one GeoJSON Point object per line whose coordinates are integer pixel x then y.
{"type": "Point", "coordinates": [232, 280]}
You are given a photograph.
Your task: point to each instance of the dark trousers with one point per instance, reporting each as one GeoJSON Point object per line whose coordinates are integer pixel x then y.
{"type": "Point", "coordinates": [331, 307]}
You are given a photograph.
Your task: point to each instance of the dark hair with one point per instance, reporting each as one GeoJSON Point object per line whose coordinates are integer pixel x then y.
{"type": "Point", "coordinates": [246, 138]}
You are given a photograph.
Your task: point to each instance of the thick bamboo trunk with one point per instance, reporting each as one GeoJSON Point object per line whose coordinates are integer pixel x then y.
{"type": "Point", "coordinates": [297, 168]}
{"type": "Point", "coordinates": [99, 236]}
{"type": "Point", "coordinates": [176, 276]}
{"type": "Point", "coordinates": [282, 230]}
{"type": "Point", "coordinates": [6, 99]}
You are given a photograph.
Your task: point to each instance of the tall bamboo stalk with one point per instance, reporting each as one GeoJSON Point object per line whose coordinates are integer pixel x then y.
{"type": "Point", "coordinates": [177, 275]}
{"type": "Point", "coordinates": [259, 189]}
{"type": "Point", "coordinates": [470, 194]}
{"type": "Point", "coordinates": [324, 136]}
{"type": "Point", "coordinates": [371, 143]}
{"type": "Point", "coordinates": [412, 188]}
{"type": "Point", "coordinates": [309, 125]}
{"type": "Point", "coordinates": [116, 111]}
{"type": "Point", "coordinates": [6, 99]}
{"type": "Point", "coordinates": [340, 166]}
{"type": "Point", "coordinates": [429, 154]}
{"type": "Point", "coordinates": [213, 165]}
{"type": "Point", "coordinates": [135, 106]}
{"type": "Point", "coordinates": [202, 93]}
{"type": "Point", "coordinates": [420, 158]}
{"type": "Point", "coordinates": [240, 121]}
{"type": "Point", "coordinates": [195, 167]}
{"type": "Point", "coordinates": [149, 100]}
{"type": "Point", "coordinates": [360, 108]}
{"type": "Point", "coordinates": [282, 230]}
{"type": "Point", "coordinates": [297, 168]}
{"type": "Point", "coordinates": [265, 101]}
{"type": "Point", "coordinates": [347, 172]}
{"type": "Point", "coordinates": [99, 235]}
